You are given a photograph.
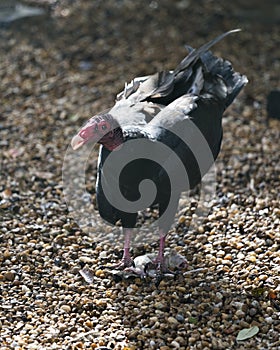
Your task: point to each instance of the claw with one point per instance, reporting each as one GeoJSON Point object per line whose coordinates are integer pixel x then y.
{"type": "Point", "coordinates": [157, 269]}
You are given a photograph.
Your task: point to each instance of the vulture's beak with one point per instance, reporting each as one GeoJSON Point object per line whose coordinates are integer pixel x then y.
{"type": "Point", "coordinates": [77, 142]}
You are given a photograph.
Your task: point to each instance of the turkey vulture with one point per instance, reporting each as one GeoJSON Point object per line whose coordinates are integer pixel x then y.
{"type": "Point", "coordinates": [159, 124]}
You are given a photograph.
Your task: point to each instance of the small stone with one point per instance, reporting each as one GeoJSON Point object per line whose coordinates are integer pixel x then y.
{"type": "Point", "coordinates": [62, 326]}
{"type": "Point", "coordinates": [99, 273]}
{"type": "Point", "coordinates": [172, 320]}
{"type": "Point", "coordinates": [248, 111]}
{"type": "Point", "coordinates": [220, 253]}
{"type": "Point", "coordinates": [182, 219]}
{"type": "Point", "coordinates": [7, 254]}
{"type": "Point", "coordinates": [240, 313]}
{"type": "Point", "coordinates": [268, 320]}
{"type": "Point", "coordinates": [65, 308]}
{"type": "Point", "coordinates": [10, 276]}
{"type": "Point", "coordinates": [85, 259]}
{"type": "Point", "coordinates": [251, 258]}
{"type": "Point", "coordinates": [103, 254]}
{"type": "Point", "coordinates": [153, 319]}
{"type": "Point", "coordinates": [100, 302]}
{"type": "Point", "coordinates": [180, 318]}
{"type": "Point", "coordinates": [219, 295]}
{"type": "Point", "coordinates": [253, 312]}
{"type": "Point", "coordinates": [226, 262]}
{"type": "Point", "coordinates": [159, 305]}
{"type": "Point", "coordinates": [255, 304]}
{"type": "Point", "coordinates": [89, 323]}
{"type": "Point", "coordinates": [239, 246]}
{"type": "Point", "coordinates": [240, 256]}
{"type": "Point", "coordinates": [224, 316]}
{"type": "Point", "coordinates": [180, 340]}
{"type": "Point", "coordinates": [228, 257]}
{"type": "Point", "coordinates": [175, 345]}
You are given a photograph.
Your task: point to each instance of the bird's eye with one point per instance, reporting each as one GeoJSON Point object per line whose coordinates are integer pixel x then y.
{"type": "Point", "coordinates": [104, 126]}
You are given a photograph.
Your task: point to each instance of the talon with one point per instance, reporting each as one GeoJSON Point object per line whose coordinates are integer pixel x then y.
{"type": "Point", "coordinates": [157, 269]}
{"type": "Point", "coordinates": [165, 266]}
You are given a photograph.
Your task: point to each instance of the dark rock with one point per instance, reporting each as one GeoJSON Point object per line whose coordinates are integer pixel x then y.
{"type": "Point", "coordinates": [273, 104]}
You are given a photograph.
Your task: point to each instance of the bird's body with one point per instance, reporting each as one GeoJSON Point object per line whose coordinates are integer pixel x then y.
{"type": "Point", "coordinates": [159, 123]}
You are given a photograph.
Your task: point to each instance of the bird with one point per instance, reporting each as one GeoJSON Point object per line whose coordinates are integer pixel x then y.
{"type": "Point", "coordinates": [167, 128]}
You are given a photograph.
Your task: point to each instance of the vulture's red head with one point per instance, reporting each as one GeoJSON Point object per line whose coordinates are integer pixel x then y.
{"type": "Point", "coordinates": [101, 129]}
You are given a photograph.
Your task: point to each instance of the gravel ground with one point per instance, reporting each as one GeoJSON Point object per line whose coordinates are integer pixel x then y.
{"type": "Point", "coordinates": [57, 70]}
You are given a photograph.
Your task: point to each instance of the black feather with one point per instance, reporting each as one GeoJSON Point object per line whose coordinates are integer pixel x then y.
{"type": "Point", "coordinates": [178, 109]}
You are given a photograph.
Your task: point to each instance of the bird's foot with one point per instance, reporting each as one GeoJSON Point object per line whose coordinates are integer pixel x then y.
{"type": "Point", "coordinates": [157, 269]}
{"type": "Point", "coordinates": [166, 266]}
{"type": "Point", "coordinates": [158, 265]}
{"type": "Point", "coordinates": [150, 266]}
{"type": "Point", "coordinates": [142, 266]}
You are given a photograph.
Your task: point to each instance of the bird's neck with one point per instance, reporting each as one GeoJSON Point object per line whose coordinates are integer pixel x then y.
{"type": "Point", "coordinates": [113, 140]}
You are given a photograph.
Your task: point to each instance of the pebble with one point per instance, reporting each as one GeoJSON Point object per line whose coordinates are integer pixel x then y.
{"type": "Point", "coordinates": [99, 273]}
{"type": "Point", "coordinates": [9, 275]}
{"type": "Point", "coordinates": [240, 313]}
{"type": "Point", "coordinates": [269, 320]}
{"type": "Point", "coordinates": [180, 318]}
{"type": "Point", "coordinates": [86, 259]}
{"type": "Point", "coordinates": [182, 220]}
{"type": "Point", "coordinates": [7, 254]}
{"type": "Point", "coordinates": [251, 258]}
{"type": "Point", "coordinates": [103, 255]}
{"type": "Point", "coordinates": [252, 312]}
{"type": "Point", "coordinates": [172, 320]}
{"type": "Point", "coordinates": [159, 305]}
{"type": "Point", "coordinates": [65, 308]}
{"type": "Point", "coordinates": [175, 344]}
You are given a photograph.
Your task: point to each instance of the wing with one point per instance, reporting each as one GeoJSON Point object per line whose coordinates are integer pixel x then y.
{"type": "Point", "coordinates": [129, 114]}
{"type": "Point", "coordinates": [198, 74]}
{"type": "Point", "coordinates": [141, 88]}
{"type": "Point", "coordinates": [172, 115]}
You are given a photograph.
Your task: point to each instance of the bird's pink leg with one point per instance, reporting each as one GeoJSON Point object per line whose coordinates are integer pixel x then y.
{"type": "Point", "coordinates": [126, 259]}
{"type": "Point", "coordinates": [160, 257]}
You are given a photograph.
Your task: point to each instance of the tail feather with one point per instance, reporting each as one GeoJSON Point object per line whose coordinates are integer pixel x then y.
{"type": "Point", "coordinates": [234, 81]}
{"type": "Point", "coordinates": [200, 72]}
{"type": "Point", "coordinates": [197, 53]}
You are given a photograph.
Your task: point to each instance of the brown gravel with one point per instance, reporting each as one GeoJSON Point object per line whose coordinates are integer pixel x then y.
{"type": "Point", "coordinates": [57, 70]}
